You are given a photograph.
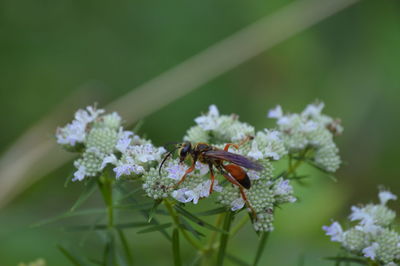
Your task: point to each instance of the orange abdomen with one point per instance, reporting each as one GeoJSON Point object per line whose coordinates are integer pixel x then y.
{"type": "Point", "coordinates": [239, 174]}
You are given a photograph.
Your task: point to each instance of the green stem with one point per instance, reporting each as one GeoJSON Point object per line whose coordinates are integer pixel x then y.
{"type": "Point", "coordinates": [214, 233]}
{"type": "Point", "coordinates": [239, 225]}
{"type": "Point", "coordinates": [175, 218]}
{"type": "Point", "coordinates": [261, 247]}
{"type": "Point", "coordinates": [125, 245]}
{"type": "Point", "coordinates": [175, 247]}
{"type": "Point", "coordinates": [106, 189]}
{"type": "Point", "coordinates": [224, 238]}
{"type": "Point", "coordinates": [293, 167]}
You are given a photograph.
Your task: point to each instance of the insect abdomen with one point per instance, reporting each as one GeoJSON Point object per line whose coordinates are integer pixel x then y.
{"type": "Point", "coordinates": [239, 174]}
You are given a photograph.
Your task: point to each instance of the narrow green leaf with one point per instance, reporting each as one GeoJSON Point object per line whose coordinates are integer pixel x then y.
{"type": "Point", "coordinates": [196, 260]}
{"type": "Point", "coordinates": [109, 258]}
{"type": "Point", "coordinates": [186, 226]}
{"type": "Point", "coordinates": [224, 238]}
{"type": "Point", "coordinates": [105, 226]}
{"type": "Point", "coordinates": [348, 259]}
{"type": "Point", "coordinates": [131, 207]}
{"type": "Point", "coordinates": [261, 246]}
{"type": "Point", "coordinates": [68, 179]}
{"type": "Point", "coordinates": [213, 211]}
{"type": "Point", "coordinates": [153, 209]}
{"type": "Point", "coordinates": [154, 221]}
{"type": "Point", "coordinates": [236, 260]}
{"type": "Point", "coordinates": [89, 231]}
{"type": "Point", "coordinates": [67, 215]}
{"type": "Point", "coordinates": [158, 227]}
{"type": "Point", "coordinates": [138, 126]}
{"type": "Point", "coordinates": [197, 220]}
{"type": "Point", "coordinates": [72, 258]}
{"type": "Point", "coordinates": [86, 193]}
{"type": "Point", "coordinates": [126, 247]}
{"type": "Point", "coordinates": [175, 247]}
{"type": "Point", "coordinates": [129, 194]}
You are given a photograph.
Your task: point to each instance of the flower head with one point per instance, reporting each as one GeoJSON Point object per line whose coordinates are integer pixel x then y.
{"type": "Point", "coordinates": [335, 231]}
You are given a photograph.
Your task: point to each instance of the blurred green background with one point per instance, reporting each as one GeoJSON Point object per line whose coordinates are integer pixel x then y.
{"type": "Point", "coordinates": [51, 50]}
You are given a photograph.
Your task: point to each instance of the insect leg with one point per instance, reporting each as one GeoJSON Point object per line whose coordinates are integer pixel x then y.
{"type": "Point", "coordinates": [210, 166]}
{"type": "Point", "coordinates": [188, 171]}
{"type": "Point", "coordinates": [230, 144]}
{"type": "Point", "coordinates": [244, 141]}
{"type": "Point", "coordinates": [241, 190]}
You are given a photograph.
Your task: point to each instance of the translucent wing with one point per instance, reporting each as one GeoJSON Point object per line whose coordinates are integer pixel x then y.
{"type": "Point", "coordinates": [234, 158]}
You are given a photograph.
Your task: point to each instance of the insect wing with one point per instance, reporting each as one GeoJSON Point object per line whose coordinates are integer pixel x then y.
{"type": "Point", "coordinates": [234, 158]}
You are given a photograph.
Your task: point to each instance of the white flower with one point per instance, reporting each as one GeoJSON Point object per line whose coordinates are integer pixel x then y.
{"type": "Point", "coordinates": [202, 190]}
{"type": "Point", "coordinates": [203, 168]}
{"type": "Point", "coordinates": [109, 159]}
{"type": "Point", "coordinates": [124, 140]}
{"type": "Point", "coordinates": [184, 195]}
{"type": "Point", "coordinates": [176, 170]}
{"type": "Point", "coordinates": [335, 231]}
{"type": "Point", "coordinates": [255, 153]}
{"type": "Point", "coordinates": [385, 196]}
{"type": "Point", "coordinates": [80, 173]}
{"type": "Point", "coordinates": [273, 135]}
{"type": "Point", "coordinates": [71, 133]}
{"type": "Point", "coordinates": [276, 112]}
{"type": "Point", "coordinates": [359, 214]}
{"type": "Point", "coordinates": [253, 175]}
{"type": "Point", "coordinates": [75, 131]}
{"type": "Point", "coordinates": [211, 120]}
{"type": "Point", "coordinates": [237, 204]}
{"type": "Point", "coordinates": [127, 169]}
{"type": "Point", "coordinates": [283, 187]}
{"type": "Point", "coordinates": [145, 153]}
{"type": "Point", "coordinates": [88, 115]}
{"type": "Point", "coordinates": [370, 252]}
{"type": "Point", "coordinates": [367, 221]}
{"type": "Point", "coordinates": [313, 109]}
{"type": "Point", "coordinates": [270, 153]}
{"type": "Point", "coordinates": [309, 126]}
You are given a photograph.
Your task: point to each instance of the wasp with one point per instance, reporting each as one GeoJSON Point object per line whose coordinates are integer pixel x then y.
{"type": "Point", "coordinates": [229, 165]}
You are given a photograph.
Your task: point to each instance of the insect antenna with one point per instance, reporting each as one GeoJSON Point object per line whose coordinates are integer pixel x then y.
{"type": "Point", "coordinates": [165, 159]}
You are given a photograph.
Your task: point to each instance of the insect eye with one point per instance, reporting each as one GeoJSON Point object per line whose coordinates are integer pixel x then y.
{"type": "Point", "coordinates": [183, 152]}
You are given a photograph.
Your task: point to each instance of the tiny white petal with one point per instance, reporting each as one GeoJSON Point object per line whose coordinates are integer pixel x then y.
{"type": "Point", "coordinates": [211, 120]}
{"type": "Point", "coordinates": [80, 173]}
{"type": "Point", "coordinates": [124, 140]}
{"type": "Point", "coordinates": [313, 109]}
{"type": "Point", "coordinates": [109, 159]}
{"type": "Point", "coordinates": [335, 231]}
{"type": "Point", "coordinates": [183, 195]}
{"type": "Point", "coordinates": [276, 112]}
{"type": "Point", "coordinates": [203, 168]}
{"type": "Point", "coordinates": [385, 196]}
{"type": "Point", "coordinates": [213, 110]}
{"type": "Point", "coordinates": [253, 175]}
{"type": "Point", "coordinates": [175, 171]}
{"type": "Point", "coordinates": [237, 204]}
{"type": "Point", "coordinates": [283, 187]}
{"type": "Point", "coordinates": [255, 153]}
{"type": "Point", "coordinates": [370, 252]}
{"type": "Point", "coordinates": [285, 120]}
{"type": "Point", "coordinates": [309, 126]}
{"type": "Point", "coordinates": [127, 169]}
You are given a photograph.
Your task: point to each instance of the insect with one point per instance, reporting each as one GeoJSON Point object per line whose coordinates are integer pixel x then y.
{"type": "Point", "coordinates": [228, 164]}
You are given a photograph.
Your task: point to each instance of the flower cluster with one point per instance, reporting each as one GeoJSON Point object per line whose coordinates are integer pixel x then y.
{"type": "Point", "coordinates": [104, 144]}
{"type": "Point", "coordinates": [101, 140]}
{"type": "Point", "coordinates": [372, 235]}
{"type": "Point", "coordinates": [310, 130]}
